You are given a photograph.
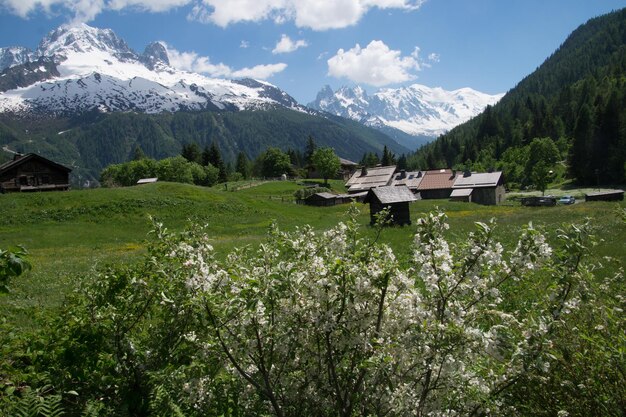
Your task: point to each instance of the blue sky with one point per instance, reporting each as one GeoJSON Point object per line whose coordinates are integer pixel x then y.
{"type": "Point", "coordinates": [301, 45]}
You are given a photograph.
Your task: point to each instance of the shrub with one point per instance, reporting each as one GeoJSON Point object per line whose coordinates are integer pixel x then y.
{"type": "Point", "coordinates": [13, 263]}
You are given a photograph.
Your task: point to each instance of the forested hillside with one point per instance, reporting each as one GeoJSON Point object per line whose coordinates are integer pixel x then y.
{"type": "Point", "coordinates": [577, 98]}
{"type": "Point", "coordinates": [90, 142]}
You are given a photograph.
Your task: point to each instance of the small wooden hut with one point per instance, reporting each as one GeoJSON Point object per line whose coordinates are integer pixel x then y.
{"type": "Point", "coordinates": [609, 195]}
{"type": "Point", "coordinates": [32, 172]}
{"type": "Point", "coordinates": [397, 198]}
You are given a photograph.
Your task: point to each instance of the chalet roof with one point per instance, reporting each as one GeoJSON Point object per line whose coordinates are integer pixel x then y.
{"type": "Point", "coordinates": [28, 157]}
{"type": "Point", "coordinates": [478, 180]}
{"type": "Point", "coordinates": [347, 162]}
{"type": "Point", "coordinates": [325, 196]}
{"type": "Point", "coordinates": [374, 177]}
{"type": "Point", "coordinates": [391, 194]}
{"type": "Point", "coordinates": [437, 179]}
{"type": "Point", "coordinates": [461, 192]}
{"type": "Point", "coordinates": [603, 193]}
{"type": "Point", "coordinates": [410, 179]}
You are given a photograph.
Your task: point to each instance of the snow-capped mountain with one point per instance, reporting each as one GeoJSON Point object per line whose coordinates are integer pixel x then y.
{"type": "Point", "coordinates": [80, 68]}
{"type": "Point", "coordinates": [416, 110]}
{"type": "Point", "coordinates": [14, 55]}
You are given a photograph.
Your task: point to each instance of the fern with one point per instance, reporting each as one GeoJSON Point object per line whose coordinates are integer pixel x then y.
{"type": "Point", "coordinates": [35, 404]}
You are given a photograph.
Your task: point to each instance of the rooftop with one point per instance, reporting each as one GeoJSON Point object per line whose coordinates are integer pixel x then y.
{"type": "Point", "coordinates": [437, 179]}
{"type": "Point", "coordinates": [370, 177]}
{"type": "Point", "coordinates": [477, 180]}
{"type": "Point", "coordinates": [391, 194]}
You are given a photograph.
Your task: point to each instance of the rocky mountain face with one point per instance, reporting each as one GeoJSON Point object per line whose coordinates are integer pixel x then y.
{"type": "Point", "coordinates": [416, 110]}
{"type": "Point", "coordinates": [81, 68]}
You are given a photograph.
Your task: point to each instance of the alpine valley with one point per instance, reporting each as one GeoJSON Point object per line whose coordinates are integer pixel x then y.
{"type": "Point", "coordinates": [86, 99]}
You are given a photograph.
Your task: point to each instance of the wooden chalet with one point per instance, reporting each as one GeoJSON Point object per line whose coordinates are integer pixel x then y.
{"type": "Point", "coordinates": [481, 188]}
{"type": "Point", "coordinates": [397, 198]}
{"type": "Point", "coordinates": [33, 172]}
{"type": "Point", "coordinates": [348, 168]}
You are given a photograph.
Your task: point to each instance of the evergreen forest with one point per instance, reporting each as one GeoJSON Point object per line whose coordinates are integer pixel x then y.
{"type": "Point", "coordinates": [576, 98]}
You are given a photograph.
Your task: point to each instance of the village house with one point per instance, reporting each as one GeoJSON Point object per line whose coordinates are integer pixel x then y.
{"type": "Point", "coordinates": [33, 172]}
{"type": "Point", "coordinates": [481, 188]}
{"type": "Point", "coordinates": [348, 168]}
{"type": "Point", "coordinates": [396, 198]}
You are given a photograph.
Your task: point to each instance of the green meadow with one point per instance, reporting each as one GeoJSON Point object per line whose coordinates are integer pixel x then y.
{"type": "Point", "coordinates": [69, 234]}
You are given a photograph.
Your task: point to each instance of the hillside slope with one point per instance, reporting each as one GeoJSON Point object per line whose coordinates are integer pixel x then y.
{"type": "Point", "coordinates": [91, 141]}
{"type": "Point", "coordinates": [577, 97]}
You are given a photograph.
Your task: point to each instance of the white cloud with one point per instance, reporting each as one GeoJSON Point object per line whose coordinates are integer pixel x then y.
{"type": "Point", "coordinates": [244, 44]}
{"type": "Point", "coordinates": [192, 62]}
{"type": "Point", "coordinates": [375, 65]}
{"type": "Point", "coordinates": [434, 57]}
{"type": "Point", "coordinates": [83, 10]}
{"type": "Point", "coordinates": [314, 14]}
{"type": "Point", "coordinates": [262, 72]}
{"type": "Point", "coordinates": [286, 45]}
{"type": "Point", "coordinates": [147, 5]}
{"type": "Point", "coordinates": [86, 10]}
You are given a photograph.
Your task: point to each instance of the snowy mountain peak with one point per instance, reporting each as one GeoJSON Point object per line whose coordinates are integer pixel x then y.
{"type": "Point", "coordinates": [82, 38]}
{"type": "Point", "coordinates": [14, 55]}
{"type": "Point", "coordinates": [416, 109]}
{"type": "Point", "coordinates": [79, 68]}
{"type": "Point", "coordinates": [154, 54]}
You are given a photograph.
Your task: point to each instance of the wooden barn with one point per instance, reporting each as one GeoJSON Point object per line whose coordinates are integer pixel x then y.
{"type": "Point", "coordinates": [328, 199]}
{"type": "Point", "coordinates": [32, 172]}
{"type": "Point", "coordinates": [397, 198]}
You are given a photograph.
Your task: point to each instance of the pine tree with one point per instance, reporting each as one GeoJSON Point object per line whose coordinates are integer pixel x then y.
{"type": "Point", "coordinates": [579, 152]}
{"type": "Point", "coordinates": [192, 153]}
{"type": "Point", "coordinates": [213, 156]}
{"type": "Point", "coordinates": [388, 157]}
{"type": "Point", "coordinates": [242, 165]}
{"type": "Point", "coordinates": [310, 149]}
{"type": "Point", "coordinates": [138, 153]}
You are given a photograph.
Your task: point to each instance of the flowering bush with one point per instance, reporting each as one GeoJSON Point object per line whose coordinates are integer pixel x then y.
{"type": "Point", "coordinates": [331, 323]}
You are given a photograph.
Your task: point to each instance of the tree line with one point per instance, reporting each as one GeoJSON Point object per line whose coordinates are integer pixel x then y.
{"type": "Point", "coordinates": [576, 100]}
{"type": "Point", "coordinates": [207, 167]}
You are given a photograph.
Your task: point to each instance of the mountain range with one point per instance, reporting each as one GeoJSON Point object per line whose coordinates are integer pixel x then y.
{"type": "Point", "coordinates": [417, 110]}
{"type": "Point", "coordinates": [79, 68]}
{"type": "Point", "coordinates": [70, 89]}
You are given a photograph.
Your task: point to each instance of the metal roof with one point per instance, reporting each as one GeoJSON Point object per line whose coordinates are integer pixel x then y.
{"type": "Point", "coordinates": [478, 180]}
{"type": "Point", "coordinates": [391, 194]}
{"type": "Point", "coordinates": [147, 180]}
{"type": "Point", "coordinates": [410, 179]}
{"type": "Point", "coordinates": [343, 161]}
{"type": "Point", "coordinates": [375, 177]}
{"type": "Point", "coordinates": [461, 192]}
{"type": "Point", "coordinates": [437, 179]}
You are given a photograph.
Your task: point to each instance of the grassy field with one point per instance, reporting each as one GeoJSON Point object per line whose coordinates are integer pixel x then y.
{"type": "Point", "coordinates": [69, 234]}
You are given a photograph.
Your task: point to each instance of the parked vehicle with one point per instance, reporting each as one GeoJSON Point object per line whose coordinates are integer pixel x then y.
{"type": "Point", "coordinates": [539, 201]}
{"type": "Point", "coordinates": [567, 199]}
